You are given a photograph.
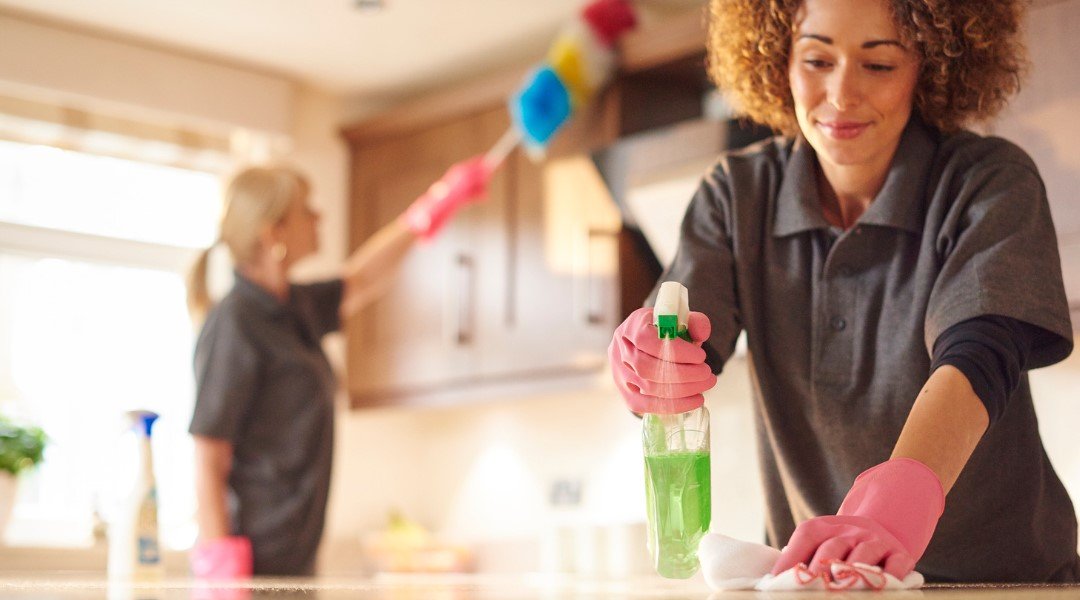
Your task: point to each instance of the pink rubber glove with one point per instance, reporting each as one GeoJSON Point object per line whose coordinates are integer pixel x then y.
{"type": "Point", "coordinates": [462, 183]}
{"type": "Point", "coordinates": [649, 383]}
{"type": "Point", "coordinates": [222, 558]}
{"type": "Point", "coordinates": [886, 519]}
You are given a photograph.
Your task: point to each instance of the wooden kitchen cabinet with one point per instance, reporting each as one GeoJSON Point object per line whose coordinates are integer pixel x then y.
{"type": "Point", "coordinates": [521, 286]}
{"type": "Point", "coordinates": [530, 284]}
{"type": "Point", "coordinates": [420, 334]}
{"type": "Point", "coordinates": [563, 300]}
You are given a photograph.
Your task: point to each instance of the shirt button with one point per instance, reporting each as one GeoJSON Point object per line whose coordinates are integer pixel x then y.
{"type": "Point", "coordinates": [839, 324]}
{"type": "Point", "coordinates": [845, 270]}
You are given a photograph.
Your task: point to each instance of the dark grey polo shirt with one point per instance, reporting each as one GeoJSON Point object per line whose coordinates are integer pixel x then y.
{"type": "Point", "coordinates": [840, 325]}
{"type": "Point", "coordinates": [264, 384]}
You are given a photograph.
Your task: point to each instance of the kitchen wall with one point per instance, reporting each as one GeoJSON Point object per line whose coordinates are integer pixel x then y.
{"type": "Point", "coordinates": [43, 61]}
{"type": "Point", "coordinates": [264, 114]}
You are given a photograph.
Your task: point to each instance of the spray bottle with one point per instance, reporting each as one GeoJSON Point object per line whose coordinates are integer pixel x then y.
{"type": "Point", "coordinates": [678, 494]}
{"type": "Point", "coordinates": [133, 534]}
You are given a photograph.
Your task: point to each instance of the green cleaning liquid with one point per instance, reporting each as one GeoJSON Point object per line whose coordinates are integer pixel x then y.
{"type": "Point", "coordinates": [678, 499]}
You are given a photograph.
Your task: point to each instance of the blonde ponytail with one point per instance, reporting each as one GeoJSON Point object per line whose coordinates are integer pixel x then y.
{"type": "Point", "coordinates": [198, 293]}
{"type": "Point", "coordinates": [254, 197]}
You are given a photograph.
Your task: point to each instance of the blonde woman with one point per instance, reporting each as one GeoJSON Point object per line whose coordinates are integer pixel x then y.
{"type": "Point", "coordinates": [896, 276]}
{"type": "Point", "coordinates": [264, 421]}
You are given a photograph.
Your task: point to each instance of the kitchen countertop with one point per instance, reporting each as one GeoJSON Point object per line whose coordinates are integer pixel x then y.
{"type": "Point", "coordinates": [63, 585]}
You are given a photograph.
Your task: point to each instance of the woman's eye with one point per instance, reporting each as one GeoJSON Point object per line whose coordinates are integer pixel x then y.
{"type": "Point", "coordinates": [817, 63]}
{"type": "Point", "coordinates": [880, 68]}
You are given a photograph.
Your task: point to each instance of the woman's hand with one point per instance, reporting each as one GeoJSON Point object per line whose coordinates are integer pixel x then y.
{"type": "Point", "coordinates": [464, 182]}
{"type": "Point", "coordinates": [660, 376]}
{"type": "Point", "coordinates": [222, 558]}
{"type": "Point", "coordinates": [822, 540]}
{"type": "Point", "coordinates": [370, 270]}
{"type": "Point", "coordinates": [213, 463]}
{"type": "Point", "coordinates": [886, 520]}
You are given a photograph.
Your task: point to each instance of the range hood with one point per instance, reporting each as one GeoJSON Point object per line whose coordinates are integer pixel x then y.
{"type": "Point", "coordinates": [652, 176]}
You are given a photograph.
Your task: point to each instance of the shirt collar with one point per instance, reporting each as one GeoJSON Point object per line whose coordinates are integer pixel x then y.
{"type": "Point", "coordinates": [797, 205]}
{"type": "Point", "coordinates": [899, 204]}
{"type": "Point", "coordinates": [258, 296]}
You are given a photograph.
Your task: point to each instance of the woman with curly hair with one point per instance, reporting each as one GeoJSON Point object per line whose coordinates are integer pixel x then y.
{"type": "Point", "coordinates": [896, 276]}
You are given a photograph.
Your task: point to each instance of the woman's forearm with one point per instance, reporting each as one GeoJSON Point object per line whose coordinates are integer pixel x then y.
{"type": "Point", "coordinates": [213, 461]}
{"type": "Point", "coordinates": [944, 426]}
{"type": "Point", "coordinates": [369, 270]}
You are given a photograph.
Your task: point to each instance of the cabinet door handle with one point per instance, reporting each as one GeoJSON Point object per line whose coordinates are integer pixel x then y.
{"type": "Point", "coordinates": [593, 291]}
{"type": "Point", "coordinates": [465, 274]}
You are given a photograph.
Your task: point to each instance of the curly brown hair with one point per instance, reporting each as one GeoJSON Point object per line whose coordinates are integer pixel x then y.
{"type": "Point", "coordinates": [971, 54]}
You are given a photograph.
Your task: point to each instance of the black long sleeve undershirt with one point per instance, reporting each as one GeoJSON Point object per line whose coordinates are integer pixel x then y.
{"type": "Point", "coordinates": [992, 351]}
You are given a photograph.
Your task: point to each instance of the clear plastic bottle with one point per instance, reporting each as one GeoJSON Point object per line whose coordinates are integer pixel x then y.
{"type": "Point", "coordinates": [678, 482]}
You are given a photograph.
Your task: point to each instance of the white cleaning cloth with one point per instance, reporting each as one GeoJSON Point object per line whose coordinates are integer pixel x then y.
{"type": "Point", "coordinates": [731, 564]}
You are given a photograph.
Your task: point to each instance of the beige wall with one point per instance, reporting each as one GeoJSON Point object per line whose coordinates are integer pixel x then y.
{"type": "Point", "coordinates": [318, 150]}
{"type": "Point", "coordinates": [50, 63]}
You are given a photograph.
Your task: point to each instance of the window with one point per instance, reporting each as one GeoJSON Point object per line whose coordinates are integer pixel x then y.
{"type": "Point", "coordinates": [92, 323]}
{"type": "Point", "coordinates": [59, 189]}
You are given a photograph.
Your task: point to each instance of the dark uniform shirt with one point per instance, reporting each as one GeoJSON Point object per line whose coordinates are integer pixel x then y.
{"type": "Point", "coordinates": [840, 327]}
{"type": "Point", "coordinates": [264, 384]}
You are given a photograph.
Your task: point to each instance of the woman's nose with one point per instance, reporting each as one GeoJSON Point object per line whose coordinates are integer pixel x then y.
{"type": "Point", "coordinates": [844, 90]}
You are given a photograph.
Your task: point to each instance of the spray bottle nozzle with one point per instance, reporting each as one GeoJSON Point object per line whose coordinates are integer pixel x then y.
{"type": "Point", "coordinates": [668, 326]}
{"type": "Point", "coordinates": [142, 420]}
{"type": "Point", "coordinates": [671, 312]}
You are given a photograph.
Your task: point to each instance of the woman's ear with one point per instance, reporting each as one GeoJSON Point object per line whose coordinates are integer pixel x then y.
{"type": "Point", "coordinates": [269, 235]}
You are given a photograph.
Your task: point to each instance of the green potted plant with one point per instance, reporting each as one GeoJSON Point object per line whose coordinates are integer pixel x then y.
{"type": "Point", "coordinates": [21, 447]}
